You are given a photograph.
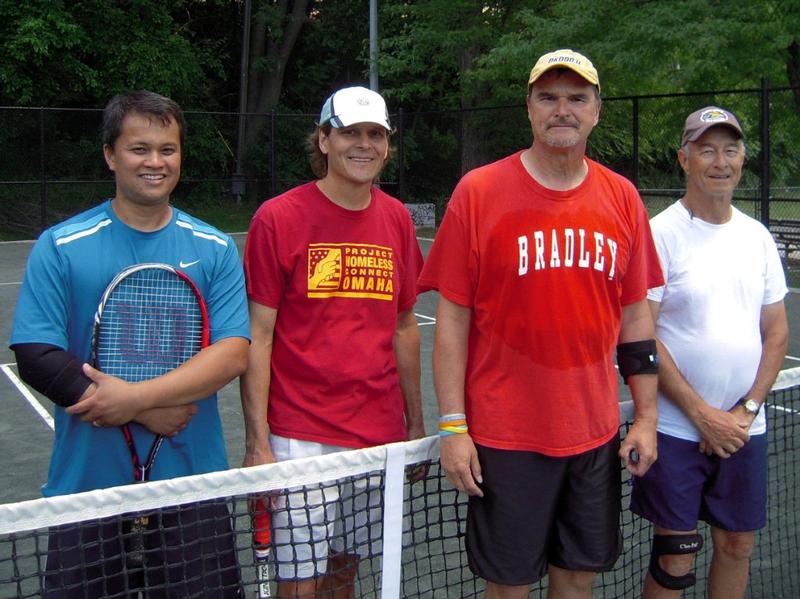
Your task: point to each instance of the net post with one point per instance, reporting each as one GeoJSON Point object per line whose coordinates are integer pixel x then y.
{"type": "Point", "coordinates": [394, 477]}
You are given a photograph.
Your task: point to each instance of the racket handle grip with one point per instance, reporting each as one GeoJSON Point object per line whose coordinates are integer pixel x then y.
{"type": "Point", "coordinates": [262, 536]}
{"type": "Point", "coordinates": [262, 554]}
{"type": "Point", "coordinates": [262, 573]}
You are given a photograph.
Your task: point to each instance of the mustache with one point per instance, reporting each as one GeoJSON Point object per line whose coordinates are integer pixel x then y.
{"type": "Point", "coordinates": [562, 122]}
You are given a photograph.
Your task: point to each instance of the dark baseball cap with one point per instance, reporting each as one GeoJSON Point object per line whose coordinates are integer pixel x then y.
{"type": "Point", "coordinates": [702, 120]}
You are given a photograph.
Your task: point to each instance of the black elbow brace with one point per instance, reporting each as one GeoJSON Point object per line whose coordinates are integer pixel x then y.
{"type": "Point", "coordinates": [53, 372]}
{"type": "Point", "coordinates": [637, 357]}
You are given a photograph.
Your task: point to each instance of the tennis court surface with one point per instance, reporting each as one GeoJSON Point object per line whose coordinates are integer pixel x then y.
{"type": "Point", "coordinates": [412, 537]}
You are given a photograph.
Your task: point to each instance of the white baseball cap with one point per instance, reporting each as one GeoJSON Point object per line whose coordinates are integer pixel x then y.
{"type": "Point", "coordinates": [351, 105]}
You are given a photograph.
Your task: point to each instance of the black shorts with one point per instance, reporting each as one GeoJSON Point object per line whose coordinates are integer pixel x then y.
{"type": "Point", "coordinates": [538, 510]}
{"type": "Point", "coordinates": [189, 551]}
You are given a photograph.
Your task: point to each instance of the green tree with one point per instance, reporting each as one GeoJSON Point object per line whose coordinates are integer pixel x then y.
{"type": "Point", "coordinates": [59, 53]}
{"type": "Point", "coordinates": [428, 50]}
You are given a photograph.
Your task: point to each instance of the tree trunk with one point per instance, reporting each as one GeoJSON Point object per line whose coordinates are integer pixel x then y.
{"type": "Point", "coordinates": [269, 55]}
{"type": "Point", "coordinates": [472, 142]}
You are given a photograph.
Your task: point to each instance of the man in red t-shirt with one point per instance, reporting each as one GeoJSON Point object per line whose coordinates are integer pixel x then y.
{"type": "Point", "coordinates": [331, 269]}
{"type": "Point", "coordinates": [543, 261]}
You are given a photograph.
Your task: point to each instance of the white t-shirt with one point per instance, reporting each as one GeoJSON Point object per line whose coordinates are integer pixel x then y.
{"type": "Point", "coordinates": [718, 277]}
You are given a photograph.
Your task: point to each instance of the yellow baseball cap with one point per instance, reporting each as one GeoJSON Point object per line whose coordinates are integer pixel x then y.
{"type": "Point", "coordinates": [568, 59]}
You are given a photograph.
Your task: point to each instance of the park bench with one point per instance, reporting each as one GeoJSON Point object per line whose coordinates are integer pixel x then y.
{"type": "Point", "coordinates": [786, 233]}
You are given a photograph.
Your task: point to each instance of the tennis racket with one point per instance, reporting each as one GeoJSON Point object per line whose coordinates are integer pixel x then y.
{"type": "Point", "coordinates": [262, 538]}
{"type": "Point", "coordinates": [151, 319]}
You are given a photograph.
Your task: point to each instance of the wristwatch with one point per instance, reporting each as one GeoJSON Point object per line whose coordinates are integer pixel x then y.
{"type": "Point", "coordinates": [751, 406]}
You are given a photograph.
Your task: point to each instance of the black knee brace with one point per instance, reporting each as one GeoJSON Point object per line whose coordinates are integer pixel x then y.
{"type": "Point", "coordinates": [673, 545]}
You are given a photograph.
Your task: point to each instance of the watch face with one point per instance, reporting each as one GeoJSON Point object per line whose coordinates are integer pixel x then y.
{"type": "Point", "coordinates": [751, 406]}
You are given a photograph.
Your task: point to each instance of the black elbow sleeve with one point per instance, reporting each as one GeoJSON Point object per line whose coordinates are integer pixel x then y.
{"type": "Point", "coordinates": [637, 357]}
{"type": "Point", "coordinates": [53, 372]}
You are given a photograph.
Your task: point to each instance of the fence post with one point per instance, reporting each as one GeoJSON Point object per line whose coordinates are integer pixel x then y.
{"type": "Point", "coordinates": [401, 156]}
{"type": "Point", "coordinates": [765, 157]}
{"type": "Point", "coordinates": [42, 168]}
{"type": "Point", "coordinates": [272, 151]}
{"type": "Point", "coordinates": [635, 146]}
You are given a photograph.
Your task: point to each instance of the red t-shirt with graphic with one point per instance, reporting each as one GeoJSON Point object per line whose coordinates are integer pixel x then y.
{"type": "Point", "coordinates": [546, 274]}
{"type": "Point", "coordinates": [338, 279]}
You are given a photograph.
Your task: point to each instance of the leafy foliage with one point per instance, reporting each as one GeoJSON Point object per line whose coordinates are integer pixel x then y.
{"type": "Point", "coordinates": [435, 56]}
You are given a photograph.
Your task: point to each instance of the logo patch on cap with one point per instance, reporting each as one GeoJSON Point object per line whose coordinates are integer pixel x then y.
{"type": "Point", "coordinates": [563, 59]}
{"type": "Point", "coordinates": [363, 101]}
{"type": "Point", "coordinates": [713, 116]}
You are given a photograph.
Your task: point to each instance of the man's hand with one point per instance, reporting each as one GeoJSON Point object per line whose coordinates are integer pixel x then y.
{"type": "Point", "coordinates": [109, 401]}
{"type": "Point", "coordinates": [460, 462]}
{"type": "Point", "coordinates": [723, 433]}
{"type": "Point", "coordinates": [167, 421]}
{"type": "Point", "coordinates": [256, 456]}
{"type": "Point", "coordinates": [419, 472]}
{"type": "Point", "coordinates": [641, 439]}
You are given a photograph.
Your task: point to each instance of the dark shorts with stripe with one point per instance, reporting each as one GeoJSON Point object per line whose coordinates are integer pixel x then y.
{"type": "Point", "coordinates": [189, 551]}
{"type": "Point", "coordinates": [684, 486]}
{"type": "Point", "coordinates": [539, 510]}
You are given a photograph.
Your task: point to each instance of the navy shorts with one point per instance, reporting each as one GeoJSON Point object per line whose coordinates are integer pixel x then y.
{"type": "Point", "coordinates": [539, 510]}
{"type": "Point", "coordinates": [684, 486]}
{"type": "Point", "coordinates": [189, 551]}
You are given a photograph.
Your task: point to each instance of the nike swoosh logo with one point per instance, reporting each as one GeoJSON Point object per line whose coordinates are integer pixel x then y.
{"type": "Point", "coordinates": [187, 264]}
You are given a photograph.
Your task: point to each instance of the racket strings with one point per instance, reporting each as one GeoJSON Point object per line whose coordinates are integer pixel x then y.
{"type": "Point", "coordinates": [151, 323]}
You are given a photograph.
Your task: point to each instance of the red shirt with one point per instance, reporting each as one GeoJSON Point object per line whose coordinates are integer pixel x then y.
{"type": "Point", "coordinates": [338, 279]}
{"type": "Point", "coordinates": [546, 274]}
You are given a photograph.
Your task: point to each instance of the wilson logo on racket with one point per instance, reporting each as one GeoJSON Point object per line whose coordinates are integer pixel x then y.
{"type": "Point", "coordinates": [160, 333]}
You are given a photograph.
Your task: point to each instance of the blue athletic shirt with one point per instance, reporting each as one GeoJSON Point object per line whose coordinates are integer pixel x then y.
{"type": "Point", "coordinates": [69, 268]}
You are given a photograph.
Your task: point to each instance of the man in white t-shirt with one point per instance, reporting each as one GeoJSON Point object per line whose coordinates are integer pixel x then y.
{"type": "Point", "coordinates": [722, 335]}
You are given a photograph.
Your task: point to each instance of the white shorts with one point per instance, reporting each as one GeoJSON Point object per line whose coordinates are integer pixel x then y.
{"type": "Point", "coordinates": [309, 523]}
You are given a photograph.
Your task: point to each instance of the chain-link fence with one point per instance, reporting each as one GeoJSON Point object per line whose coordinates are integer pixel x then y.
{"type": "Point", "coordinates": [53, 164]}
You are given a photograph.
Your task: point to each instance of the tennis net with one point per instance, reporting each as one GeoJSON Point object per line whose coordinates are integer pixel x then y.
{"type": "Point", "coordinates": [409, 534]}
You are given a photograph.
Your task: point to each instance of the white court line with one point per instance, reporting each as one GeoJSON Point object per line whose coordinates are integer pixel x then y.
{"type": "Point", "coordinates": [38, 408]}
{"type": "Point", "coordinates": [429, 320]}
{"type": "Point", "coordinates": [796, 359]}
{"type": "Point", "coordinates": [782, 409]}
{"type": "Point", "coordinates": [11, 283]}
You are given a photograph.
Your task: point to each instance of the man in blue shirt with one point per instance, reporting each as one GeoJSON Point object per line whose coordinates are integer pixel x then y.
{"type": "Point", "coordinates": [67, 272]}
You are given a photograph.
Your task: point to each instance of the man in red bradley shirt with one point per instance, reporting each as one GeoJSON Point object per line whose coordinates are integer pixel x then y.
{"type": "Point", "coordinates": [331, 269]}
{"type": "Point", "coordinates": [543, 262]}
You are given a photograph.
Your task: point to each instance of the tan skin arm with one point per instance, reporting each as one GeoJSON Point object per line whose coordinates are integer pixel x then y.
{"type": "Point", "coordinates": [774, 342]}
{"type": "Point", "coordinates": [254, 386]}
{"type": "Point", "coordinates": [459, 457]}
{"type": "Point", "coordinates": [637, 325]}
{"type": "Point", "coordinates": [110, 401]}
{"type": "Point", "coordinates": [406, 349]}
